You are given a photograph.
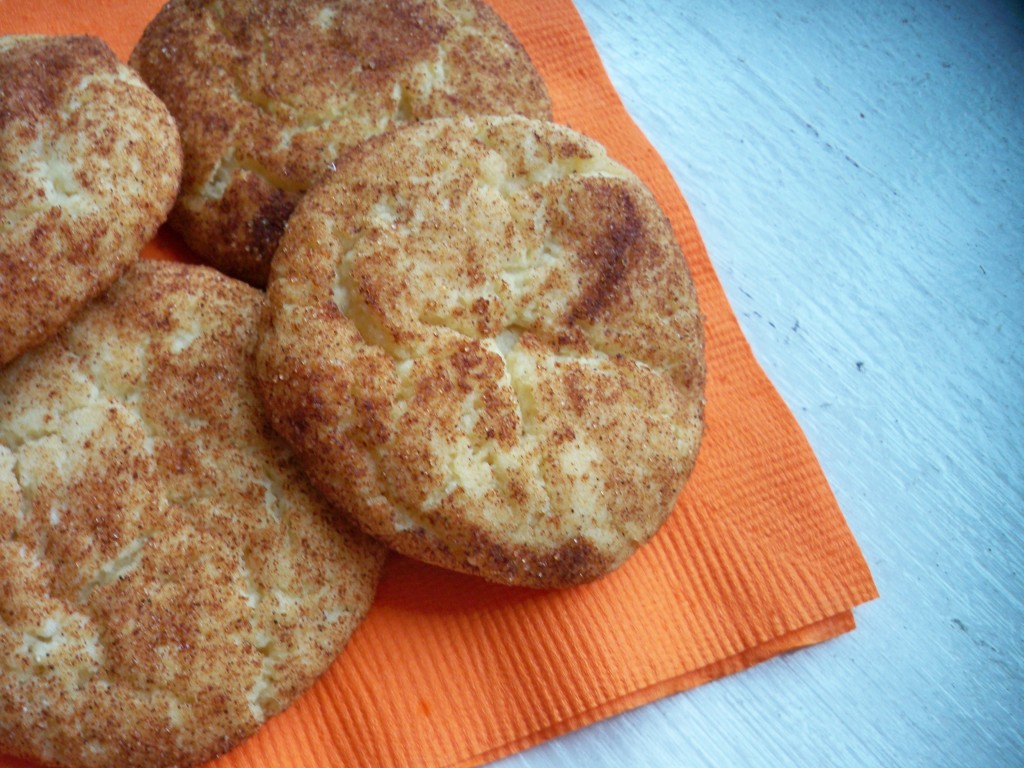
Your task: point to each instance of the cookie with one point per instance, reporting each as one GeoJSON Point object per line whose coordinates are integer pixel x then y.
{"type": "Point", "coordinates": [90, 162]}
{"type": "Point", "coordinates": [267, 93]}
{"type": "Point", "coordinates": [168, 579]}
{"type": "Point", "coordinates": [484, 344]}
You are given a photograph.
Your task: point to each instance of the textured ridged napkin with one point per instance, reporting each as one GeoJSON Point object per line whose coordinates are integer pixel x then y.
{"type": "Point", "coordinates": [451, 671]}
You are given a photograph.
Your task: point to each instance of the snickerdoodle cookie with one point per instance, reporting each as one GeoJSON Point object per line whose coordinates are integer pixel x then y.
{"type": "Point", "coordinates": [267, 93]}
{"type": "Point", "coordinates": [168, 579]}
{"type": "Point", "coordinates": [483, 342]}
{"type": "Point", "coordinates": [90, 162]}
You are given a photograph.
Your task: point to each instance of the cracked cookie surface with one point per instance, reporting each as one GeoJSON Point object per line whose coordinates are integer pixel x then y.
{"type": "Point", "coordinates": [483, 341]}
{"type": "Point", "coordinates": [90, 162]}
{"type": "Point", "coordinates": [168, 578]}
{"type": "Point", "coordinates": [267, 94]}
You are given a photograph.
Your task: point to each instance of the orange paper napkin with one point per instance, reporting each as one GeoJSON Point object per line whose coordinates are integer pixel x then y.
{"type": "Point", "coordinates": [451, 671]}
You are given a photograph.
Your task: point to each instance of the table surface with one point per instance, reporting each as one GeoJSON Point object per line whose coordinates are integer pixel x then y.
{"type": "Point", "coordinates": [858, 178]}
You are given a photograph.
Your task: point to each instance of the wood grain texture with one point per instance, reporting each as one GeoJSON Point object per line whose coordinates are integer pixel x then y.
{"type": "Point", "coordinates": [858, 178]}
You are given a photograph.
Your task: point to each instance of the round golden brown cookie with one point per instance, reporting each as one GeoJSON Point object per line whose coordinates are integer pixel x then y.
{"type": "Point", "coordinates": [483, 342]}
{"type": "Point", "coordinates": [90, 162]}
{"type": "Point", "coordinates": [168, 579]}
{"type": "Point", "coordinates": [267, 93]}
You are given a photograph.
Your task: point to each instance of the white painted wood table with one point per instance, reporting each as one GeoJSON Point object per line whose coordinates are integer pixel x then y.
{"type": "Point", "coordinates": [857, 172]}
